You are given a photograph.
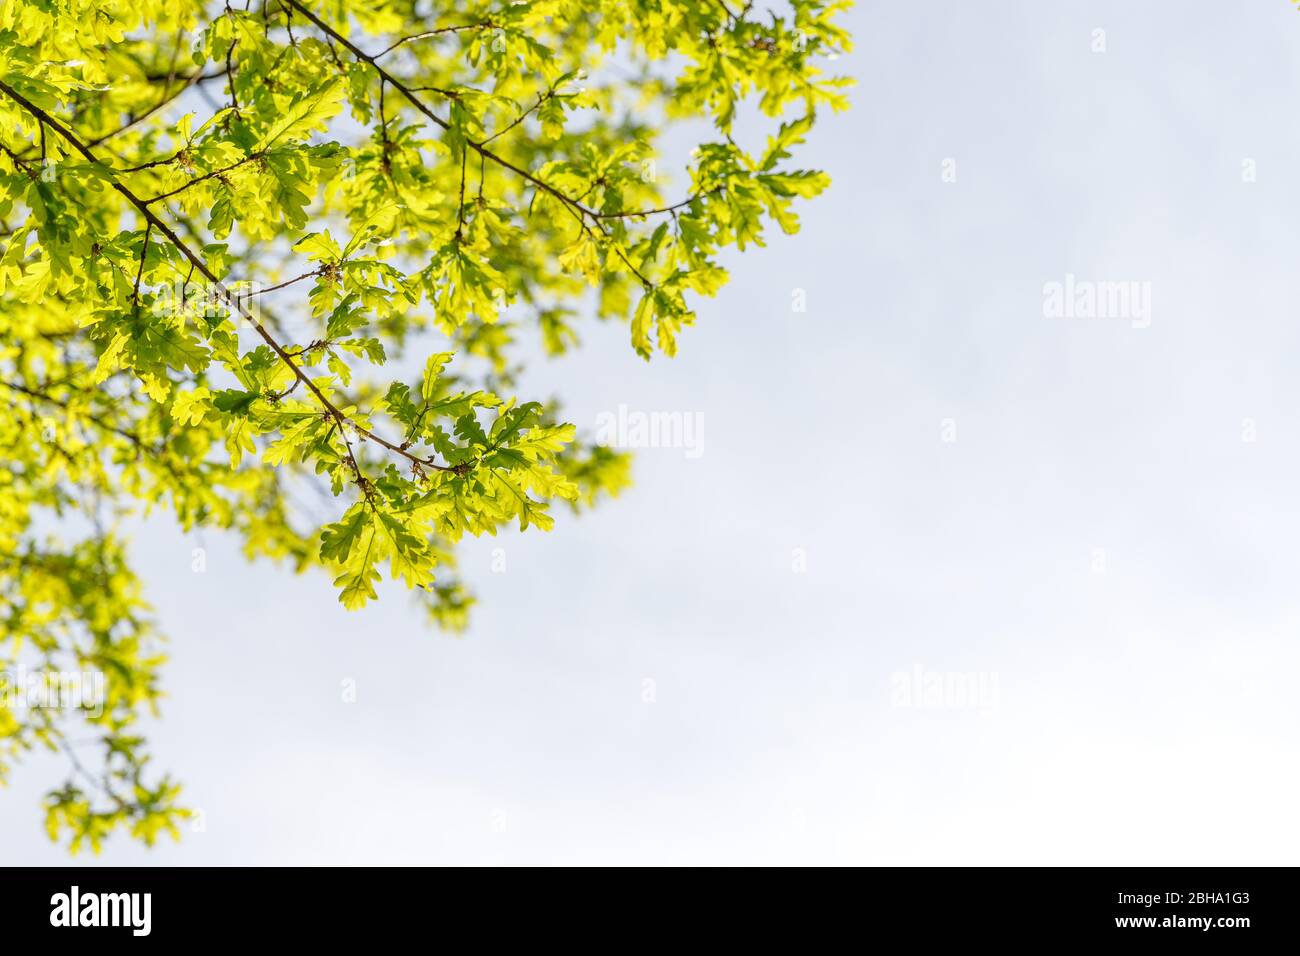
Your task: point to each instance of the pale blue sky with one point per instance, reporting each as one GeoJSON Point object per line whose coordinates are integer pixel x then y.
{"type": "Point", "coordinates": [1144, 714]}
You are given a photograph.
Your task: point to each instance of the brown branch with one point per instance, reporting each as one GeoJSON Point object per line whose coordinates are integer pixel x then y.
{"type": "Point", "coordinates": [189, 79]}
{"type": "Point", "coordinates": [277, 288]}
{"type": "Point", "coordinates": [153, 163]}
{"type": "Point", "coordinates": [460, 214]}
{"type": "Point", "coordinates": [18, 161]}
{"type": "Point", "coordinates": [144, 254]}
{"type": "Point", "coordinates": [206, 176]}
{"type": "Point", "coordinates": [485, 25]}
{"type": "Point", "coordinates": [652, 212]}
{"type": "Point", "coordinates": [542, 98]}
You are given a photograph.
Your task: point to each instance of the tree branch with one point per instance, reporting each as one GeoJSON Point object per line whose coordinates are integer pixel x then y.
{"type": "Point", "coordinates": [485, 25]}
{"type": "Point", "coordinates": [222, 292]}
{"type": "Point", "coordinates": [478, 146]}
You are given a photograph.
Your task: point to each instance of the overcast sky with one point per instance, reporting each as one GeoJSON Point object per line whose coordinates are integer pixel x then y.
{"type": "Point", "coordinates": [1074, 536]}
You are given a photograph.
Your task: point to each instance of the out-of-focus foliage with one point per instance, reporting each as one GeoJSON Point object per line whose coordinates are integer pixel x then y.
{"type": "Point", "coordinates": [220, 222]}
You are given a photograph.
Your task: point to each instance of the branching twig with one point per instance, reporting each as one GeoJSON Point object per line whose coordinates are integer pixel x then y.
{"type": "Point", "coordinates": [485, 25]}
{"type": "Point", "coordinates": [574, 205]}
{"type": "Point", "coordinates": [222, 292]}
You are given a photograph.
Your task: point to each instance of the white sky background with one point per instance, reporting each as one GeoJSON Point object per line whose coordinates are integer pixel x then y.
{"type": "Point", "coordinates": [1147, 714]}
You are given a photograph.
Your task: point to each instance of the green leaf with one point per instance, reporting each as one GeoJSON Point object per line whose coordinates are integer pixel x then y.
{"type": "Point", "coordinates": [308, 113]}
